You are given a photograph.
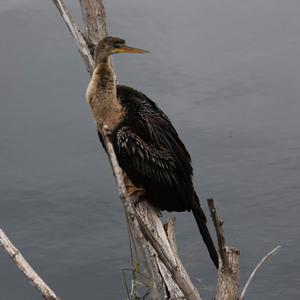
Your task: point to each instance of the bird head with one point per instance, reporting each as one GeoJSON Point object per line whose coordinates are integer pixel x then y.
{"type": "Point", "coordinates": [113, 45]}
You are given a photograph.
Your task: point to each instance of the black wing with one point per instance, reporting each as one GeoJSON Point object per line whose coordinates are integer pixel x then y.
{"type": "Point", "coordinates": [150, 152]}
{"type": "Point", "coordinates": [153, 125]}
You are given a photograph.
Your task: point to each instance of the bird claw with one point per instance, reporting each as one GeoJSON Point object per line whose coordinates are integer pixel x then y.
{"type": "Point", "coordinates": [134, 191]}
{"type": "Point", "coordinates": [136, 194]}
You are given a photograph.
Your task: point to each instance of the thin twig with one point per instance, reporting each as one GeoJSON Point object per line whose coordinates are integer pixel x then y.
{"type": "Point", "coordinates": [265, 258]}
{"type": "Point", "coordinates": [220, 236]}
{"type": "Point", "coordinates": [74, 30]}
{"type": "Point", "coordinates": [34, 279]}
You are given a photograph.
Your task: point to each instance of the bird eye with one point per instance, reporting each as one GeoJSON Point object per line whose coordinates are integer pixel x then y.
{"type": "Point", "coordinates": [118, 45]}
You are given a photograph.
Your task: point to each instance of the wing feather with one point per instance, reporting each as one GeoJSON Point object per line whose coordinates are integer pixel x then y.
{"type": "Point", "coordinates": [150, 151]}
{"type": "Point", "coordinates": [155, 163]}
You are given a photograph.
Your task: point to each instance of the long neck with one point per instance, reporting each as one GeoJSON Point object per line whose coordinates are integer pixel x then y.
{"type": "Point", "coordinates": [104, 76]}
{"type": "Point", "coordinates": [101, 95]}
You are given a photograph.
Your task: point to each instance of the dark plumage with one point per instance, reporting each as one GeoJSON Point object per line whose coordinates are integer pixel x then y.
{"type": "Point", "coordinates": [146, 144]}
{"type": "Point", "coordinates": [149, 150]}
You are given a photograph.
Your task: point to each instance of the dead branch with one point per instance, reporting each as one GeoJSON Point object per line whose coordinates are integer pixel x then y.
{"type": "Point", "coordinates": [265, 258]}
{"type": "Point", "coordinates": [94, 18]}
{"type": "Point", "coordinates": [169, 228]}
{"type": "Point", "coordinates": [220, 236]}
{"type": "Point", "coordinates": [154, 232]}
{"type": "Point", "coordinates": [228, 273]}
{"type": "Point", "coordinates": [33, 278]}
{"type": "Point", "coordinates": [75, 32]}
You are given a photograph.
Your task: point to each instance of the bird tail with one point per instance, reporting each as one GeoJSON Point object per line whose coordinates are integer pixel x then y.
{"type": "Point", "coordinates": [201, 222]}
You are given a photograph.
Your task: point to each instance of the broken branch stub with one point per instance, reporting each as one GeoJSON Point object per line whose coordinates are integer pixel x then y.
{"type": "Point", "coordinates": [229, 270]}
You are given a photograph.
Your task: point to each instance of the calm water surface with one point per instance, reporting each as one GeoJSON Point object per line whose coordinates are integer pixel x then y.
{"type": "Point", "coordinates": [228, 75]}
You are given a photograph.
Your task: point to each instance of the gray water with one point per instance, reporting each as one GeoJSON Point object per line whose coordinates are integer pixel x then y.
{"type": "Point", "coordinates": [228, 75]}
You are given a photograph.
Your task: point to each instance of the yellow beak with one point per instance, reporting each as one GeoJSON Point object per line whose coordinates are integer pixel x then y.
{"type": "Point", "coordinates": [126, 49]}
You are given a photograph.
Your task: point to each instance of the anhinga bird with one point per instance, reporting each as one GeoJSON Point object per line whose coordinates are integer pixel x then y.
{"type": "Point", "coordinates": [146, 144]}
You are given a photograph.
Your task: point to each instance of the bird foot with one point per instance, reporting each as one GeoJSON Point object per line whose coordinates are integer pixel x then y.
{"type": "Point", "coordinates": [134, 191]}
{"type": "Point", "coordinates": [137, 194]}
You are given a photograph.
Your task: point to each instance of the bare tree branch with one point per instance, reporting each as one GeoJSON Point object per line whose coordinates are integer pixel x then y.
{"type": "Point", "coordinates": [153, 231]}
{"type": "Point", "coordinates": [229, 270]}
{"type": "Point", "coordinates": [169, 228]}
{"type": "Point", "coordinates": [265, 258]}
{"type": "Point", "coordinates": [74, 30]}
{"type": "Point", "coordinates": [34, 279]}
{"type": "Point", "coordinates": [94, 18]}
{"type": "Point", "coordinates": [219, 231]}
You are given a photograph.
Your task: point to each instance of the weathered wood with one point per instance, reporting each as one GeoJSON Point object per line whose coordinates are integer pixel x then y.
{"type": "Point", "coordinates": [229, 277]}
{"type": "Point", "coordinates": [173, 291]}
{"type": "Point", "coordinates": [94, 18]}
{"type": "Point", "coordinates": [75, 32]}
{"type": "Point", "coordinates": [220, 236]}
{"type": "Point", "coordinates": [229, 270]}
{"type": "Point", "coordinates": [33, 278]}
{"type": "Point", "coordinates": [154, 232]}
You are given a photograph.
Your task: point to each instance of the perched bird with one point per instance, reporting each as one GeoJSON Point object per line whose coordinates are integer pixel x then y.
{"type": "Point", "coordinates": [146, 144]}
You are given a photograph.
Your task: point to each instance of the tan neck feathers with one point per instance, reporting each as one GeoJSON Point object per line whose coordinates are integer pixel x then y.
{"type": "Point", "coordinates": [101, 96]}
